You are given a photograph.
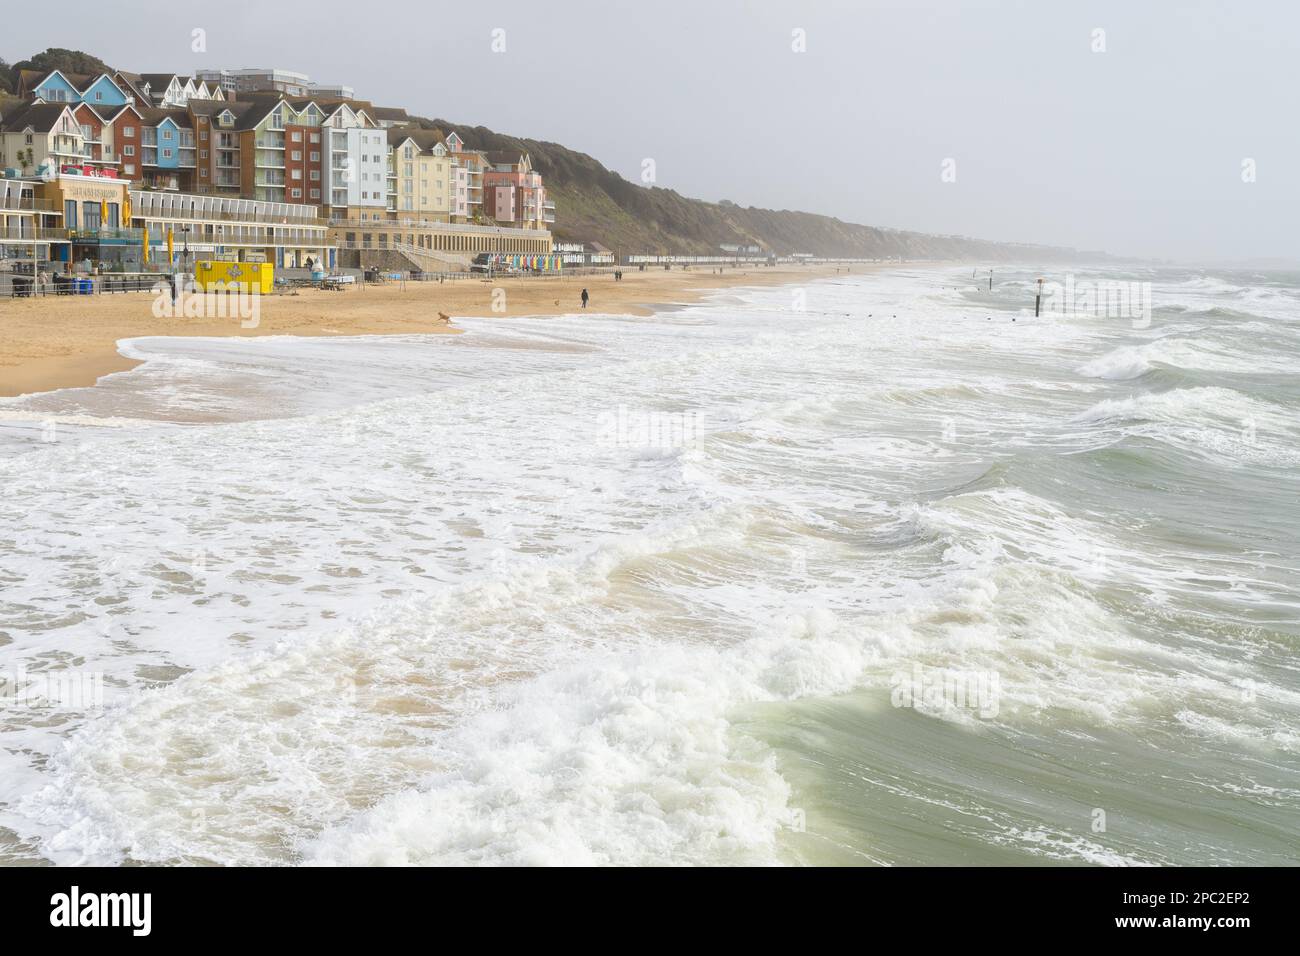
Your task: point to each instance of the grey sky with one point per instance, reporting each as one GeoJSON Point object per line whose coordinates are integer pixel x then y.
{"type": "Point", "coordinates": [1136, 150]}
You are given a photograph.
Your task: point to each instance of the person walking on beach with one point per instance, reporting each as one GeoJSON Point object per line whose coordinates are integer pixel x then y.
{"type": "Point", "coordinates": [584, 298]}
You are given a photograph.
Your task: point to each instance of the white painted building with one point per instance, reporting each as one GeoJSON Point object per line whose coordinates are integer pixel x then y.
{"type": "Point", "coordinates": [368, 164]}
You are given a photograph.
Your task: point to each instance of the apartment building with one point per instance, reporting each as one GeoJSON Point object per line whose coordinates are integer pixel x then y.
{"type": "Point", "coordinates": [339, 163]}
{"type": "Point", "coordinates": [168, 150]}
{"type": "Point", "coordinates": [219, 163]}
{"type": "Point", "coordinates": [513, 192]}
{"type": "Point", "coordinates": [58, 87]}
{"type": "Point", "coordinates": [331, 90]}
{"type": "Point", "coordinates": [419, 175]}
{"type": "Point", "coordinates": [473, 163]}
{"type": "Point", "coordinates": [304, 158]}
{"type": "Point", "coordinates": [388, 117]}
{"type": "Point", "coordinates": [30, 224]}
{"type": "Point", "coordinates": [261, 149]}
{"type": "Point", "coordinates": [172, 91]}
{"type": "Point", "coordinates": [274, 137]}
{"type": "Point", "coordinates": [246, 230]}
{"type": "Point", "coordinates": [367, 169]}
{"type": "Point", "coordinates": [285, 82]}
{"type": "Point", "coordinates": [40, 138]}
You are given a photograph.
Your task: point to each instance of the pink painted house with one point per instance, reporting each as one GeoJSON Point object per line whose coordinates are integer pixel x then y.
{"type": "Point", "coordinates": [513, 192]}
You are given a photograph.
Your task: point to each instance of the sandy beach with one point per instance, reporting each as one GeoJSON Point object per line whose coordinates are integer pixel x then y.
{"type": "Point", "coordinates": [64, 342]}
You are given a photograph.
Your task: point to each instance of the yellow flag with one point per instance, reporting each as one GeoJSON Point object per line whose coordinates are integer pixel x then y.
{"type": "Point", "coordinates": [103, 214]}
{"type": "Point", "coordinates": [126, 210]}
{"type": "Point", "coordinates": [144, 233]}
{"type": "Point", "coordinates": [170, 257]}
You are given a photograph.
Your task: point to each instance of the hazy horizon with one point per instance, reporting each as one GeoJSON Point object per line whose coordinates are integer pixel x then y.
{"type": "Point", "coordinates": [1135, 150]}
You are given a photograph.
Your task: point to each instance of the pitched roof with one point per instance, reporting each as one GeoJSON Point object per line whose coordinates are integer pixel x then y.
{"type": "Point", "coordinates": [39, 116]}
{"type": "Point", "coordinates": [90, 106]}
{"type": "Point", "coordinates": [426, 139]}
{"type": "Point", "coordinates": [153, 116]}
{"type": "Point", "coordinates": [134, 82]}
{"type": "Point", "coordinates": [158, 82]}
{"type": "Point", "coordinates": [506, 157]}
{"type": "Point", "coordinates": [213, 107]}
{"type": "Point", "coordinates": [124, 108]}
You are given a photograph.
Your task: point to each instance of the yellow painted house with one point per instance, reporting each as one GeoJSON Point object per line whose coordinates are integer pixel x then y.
{"type": "Point", "coordinates": [419, 176]}
{"type": "Point", "coordinates": [40, 135]}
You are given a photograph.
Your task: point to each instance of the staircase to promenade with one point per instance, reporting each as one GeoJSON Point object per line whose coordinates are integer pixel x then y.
{"type": "Point", "coordinates": [401, 257]}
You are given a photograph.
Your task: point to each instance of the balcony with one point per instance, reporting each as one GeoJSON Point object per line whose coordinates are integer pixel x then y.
{"type": "Point", "coordinates": [206, 209]}
{"type": "Point", "coordinates": [29, 203]}
{"type": "Point", "coordinates": [24, 232]}
{"type": "Point", "coordinates": [106, 232]}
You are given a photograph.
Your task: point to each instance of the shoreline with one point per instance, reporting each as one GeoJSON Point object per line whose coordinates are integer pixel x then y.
{"type": "Point", "coordinates": [54, 343]}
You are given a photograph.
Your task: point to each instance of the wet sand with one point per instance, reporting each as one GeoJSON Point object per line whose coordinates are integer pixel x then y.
{"type": "Point", "coordinates": [65, 342]}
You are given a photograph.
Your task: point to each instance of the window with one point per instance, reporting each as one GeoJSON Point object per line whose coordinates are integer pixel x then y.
{"type": "Point", "coordinates": [203, 154]}
{"type": "Point", "coordinates": [296, 136]}
{"type": "Point", "coordinates": [315, 137]}
{"type": "Point", "coordinates": [296, 155]}
{"type": "Point", "coordinates": [128, 150]}
{"type": "Point", "coordinates": [129, 169]}
{"type": "Point", "coordinates": [167, 154]}
{"type": "Point", "coordinates": [203, 135]}
{"type": "Point", "coordinates": [296, 193]}
{"type": "Point", "coordinates": [295, 174]}
{"type": "Point", "coordinates": [315, 157]}
{"type": "Point", "coordinates": [99, 97]}
{"type": "Point", "coordinates": [28, 139]}
{"type": "Point", "coordinates": [315, 194]}
{"type": "Point", "coordinates": [315, 175]}
{"type": "Point", "coordinates": [128, 130]}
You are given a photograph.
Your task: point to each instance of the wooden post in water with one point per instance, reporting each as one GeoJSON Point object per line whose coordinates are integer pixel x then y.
{"type": "Point", "coordinates": [1038, 299]}
{"type": "Point", "coordinates": [990, 280]}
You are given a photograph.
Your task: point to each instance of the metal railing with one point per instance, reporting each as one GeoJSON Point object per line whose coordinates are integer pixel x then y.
{"type": "Point", "coordinates": [106, 232]}
{"type": "Point", "coordinates": [18, 286]}
{"type": "Point", "coordinates": [396, 225]}
{"type": "Point", "coordinates": [27, 204]}
{"type": "Point", "coordinates": [33, 235]}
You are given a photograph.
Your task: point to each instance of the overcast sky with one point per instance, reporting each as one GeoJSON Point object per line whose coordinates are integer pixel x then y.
{"type": "Point", "coordinates": [1135, 150]}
